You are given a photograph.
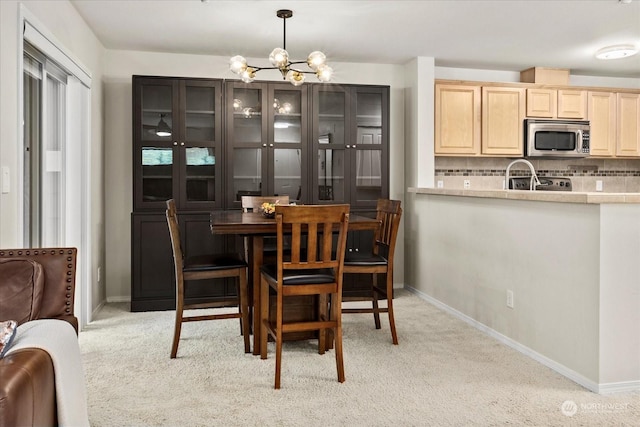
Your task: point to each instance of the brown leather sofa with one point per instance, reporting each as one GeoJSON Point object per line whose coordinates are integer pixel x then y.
{"type": "Point", "coordinates": [27, 389]}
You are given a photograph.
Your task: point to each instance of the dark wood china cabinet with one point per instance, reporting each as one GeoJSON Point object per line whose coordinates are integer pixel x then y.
{"type": "Point", "coordinates": [207, 142]}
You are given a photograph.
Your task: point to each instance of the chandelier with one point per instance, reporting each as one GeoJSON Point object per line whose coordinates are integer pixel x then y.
{"type": "Point", "coordinates": [279, 58]}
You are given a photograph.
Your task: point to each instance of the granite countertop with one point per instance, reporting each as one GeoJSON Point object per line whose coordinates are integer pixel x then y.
{"type": "Point", "coordinates": [542, 196]}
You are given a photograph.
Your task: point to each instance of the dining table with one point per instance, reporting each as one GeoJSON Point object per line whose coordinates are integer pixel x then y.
{"type": "Point", "coordinates": [256, 227]}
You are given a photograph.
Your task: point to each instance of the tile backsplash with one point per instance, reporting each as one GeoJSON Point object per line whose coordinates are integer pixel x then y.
{"type": "Point", "coordinates": [617, 175]}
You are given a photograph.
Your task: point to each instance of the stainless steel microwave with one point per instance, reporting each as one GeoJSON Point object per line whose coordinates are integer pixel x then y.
{"type": "Point", "coordinates": [556, 138]}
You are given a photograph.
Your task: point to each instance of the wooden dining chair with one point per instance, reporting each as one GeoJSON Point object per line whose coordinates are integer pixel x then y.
{"type": "Point", "coordinates": [252, 204]}
{"type": "Point", "coordinates": [314, 269]}
{"type": "Point", "coordinates": [202, 267]}
{"type": "Point", "coordinates": [380, 261]}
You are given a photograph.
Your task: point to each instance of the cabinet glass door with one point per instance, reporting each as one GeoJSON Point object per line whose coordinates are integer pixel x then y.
{"type": "Point", "coordinates": [369, 163]}
{"type": "Point", "coordinates": [330, 136]}
{"type": "Point", "coordinates": [247, 136]}
{"type": "Point", "coordinates": [287, 137]}
{"type": "Point", "coordinates": [155, 154]}
{"type": "Point", "coordinates": [157, 112]}
{"type": "Point", "coordinates": [157, 174]}
{"type": "Point", "coordinates": [201, 142]}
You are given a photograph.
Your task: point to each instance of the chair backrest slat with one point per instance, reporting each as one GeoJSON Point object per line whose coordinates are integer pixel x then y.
{"type": "Point", "coordinates": [318, 224]}
{"type": "Point", "coordinates": [389, 213]}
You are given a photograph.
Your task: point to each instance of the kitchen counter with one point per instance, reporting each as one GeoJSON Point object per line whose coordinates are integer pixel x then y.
{"type": "Point", "coordinates": [540, 196]}
{"type": "Point", "coordinates": [569, 262]}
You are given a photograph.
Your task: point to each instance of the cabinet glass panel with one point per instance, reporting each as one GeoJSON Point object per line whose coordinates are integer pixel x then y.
{"type": "Point", "coordinates": [247, 115]}
{"type": "Point", "coordinates": [331, 183]}
{"type": "Point", "coordinates": [200, 113]}
{"type": "Point", "coordinates": [247, 172]}
{"type": "Point", "coordinates": [287, 117]}
{"type": "Point", "coordinates": [157, 173]}
{"type": "Point", "coordinates": [369, 147]}
{"type": "Point", "coordinates": [331, 117]}
{"type": "Point", "coordinates": [200, 179]}
{"type": "Point", "coordinates": [157, 121]}
{"type": "Point", "coordinates": [287, 173]}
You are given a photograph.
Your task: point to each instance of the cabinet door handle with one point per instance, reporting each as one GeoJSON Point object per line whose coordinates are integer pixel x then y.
{"type": "Point", "coordinates": [270, 145]}
{"type": "Point", "coordinates": [264, 145]}
{"type": "Point", "coordinates": [175, 142]}
{"type": "Point", "coordinates": [353, 146]}
{"type": "Point", "coordinates": [348, 146]}
{"type": "Point", "coordinates": [182, 144]}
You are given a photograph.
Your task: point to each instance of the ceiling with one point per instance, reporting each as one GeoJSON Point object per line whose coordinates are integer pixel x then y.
{"type": "Point", "coordinates": [509, 35]}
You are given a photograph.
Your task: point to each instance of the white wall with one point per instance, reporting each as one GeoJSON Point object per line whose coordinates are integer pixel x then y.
{"type": "Point", "coordinates": [119, 68]}
{"type": "Point", "coordinates": [62, 20]}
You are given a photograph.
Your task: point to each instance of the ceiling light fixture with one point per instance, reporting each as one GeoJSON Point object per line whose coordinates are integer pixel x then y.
{"type": "Point", "coordinates": [279, 58]}
{"type": "Point", "coordinates": [616, 52]}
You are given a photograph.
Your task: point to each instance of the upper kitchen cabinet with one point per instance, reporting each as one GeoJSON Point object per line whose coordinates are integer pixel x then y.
{"type": "Point", "coordinates": [177, 136]}
{"type": "Point", "coordinates": [602, 116]}
{"type": "Point", "coordinates": [503, 113]}
{"type": "Point", "coordinates": [457, 120]}
{"type": "Point", "coordinates": [556, 103]}
{"type": "Point", "coordinates": [267, 141]}
{"type": "Point", "coordinates": [615, 123]}
{"type": "Point", "coordinates": [628, 124]}
{"type": "Point", "coordinates": [350, 145]}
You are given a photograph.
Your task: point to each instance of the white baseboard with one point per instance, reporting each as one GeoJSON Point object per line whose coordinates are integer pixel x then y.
{"type": "Point", "coordinates": [608, 388]}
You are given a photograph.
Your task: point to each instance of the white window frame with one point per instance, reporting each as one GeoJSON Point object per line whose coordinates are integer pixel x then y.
{"type": "Point", "coordinates": [78, 153]}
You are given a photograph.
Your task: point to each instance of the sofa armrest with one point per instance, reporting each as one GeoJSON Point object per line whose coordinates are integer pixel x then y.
{"type": "Point", "coordinates": [27, 389]}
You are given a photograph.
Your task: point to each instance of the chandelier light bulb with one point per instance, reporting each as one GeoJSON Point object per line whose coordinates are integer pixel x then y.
{"type": "Point", "coordinates": [248, 75]}
{"type": "Point", "coordinates": [294, 77]}
{"type": "Point", "coordinates": [324, 73]}
{"type": "Point", "coordinates": [238, 64]}
{"type": "Point", "coordinates": [279, 57]}
{"type": "Point", "coordinates": [316, 59]}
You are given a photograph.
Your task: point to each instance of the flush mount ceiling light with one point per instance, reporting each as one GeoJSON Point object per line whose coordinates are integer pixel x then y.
{"type": "Point", "coordinates": [616, 52]}
{"type": "Point", "coordinates": [279, 58]}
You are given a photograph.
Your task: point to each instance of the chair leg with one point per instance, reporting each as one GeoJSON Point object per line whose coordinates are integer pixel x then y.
{"type": "Point", "coordinates": [176, 331]}
{"type": "Point", "coordinates": [264, 318]}
{"type": "Point", "coordinates": [336, 315]}
{"type": "Point", "coordinates": [244, 309]}
{"type": "Point", "coordinates": [374, 298]}
{"type": "Point", "coordinates": [322, 313]}
{"type": "Point", "coordinates": [392, 322]}
{"type": "Point", "coordinates": [279, 322]}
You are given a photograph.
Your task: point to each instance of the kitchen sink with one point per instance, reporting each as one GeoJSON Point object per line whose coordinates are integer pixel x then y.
{"type": "Point", "coordinates": [547, 183]}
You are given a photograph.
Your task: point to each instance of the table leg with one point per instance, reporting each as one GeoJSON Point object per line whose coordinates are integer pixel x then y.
{"type": "Point", "coordinates": [256, 261]}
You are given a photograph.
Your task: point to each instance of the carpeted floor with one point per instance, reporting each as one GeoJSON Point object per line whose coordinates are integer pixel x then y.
{"type": "Point", "coordinates": [443, 373]}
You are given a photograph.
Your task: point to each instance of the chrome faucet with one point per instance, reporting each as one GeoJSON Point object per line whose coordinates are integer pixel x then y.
{"type": "Point", "coordinates": [534, 178]}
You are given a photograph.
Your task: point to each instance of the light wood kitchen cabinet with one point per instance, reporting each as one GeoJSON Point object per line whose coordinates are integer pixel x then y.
{"type": "Point", "coordinates": [556, 103]}
{"type": "Point", "coordinates": [503, 113]}
{"type": "Point", "coordinates": [628, 124]}
{"type": "Point", "coordinates": [601, 108]}
{"type": "Point", "coordinates": [457, 120]}
{"type": "Point", "coordinates": [572, 104]}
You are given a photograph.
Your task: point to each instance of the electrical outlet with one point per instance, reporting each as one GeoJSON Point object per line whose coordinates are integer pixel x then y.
{"type": "Point", "coordinates": [467, 183]}
{"type": "Point", "coordinates": [440, 183]}
{"type": "Point", "coordinates": [599, 185]}
{"type": "Point", "coordinates": [509, 298]}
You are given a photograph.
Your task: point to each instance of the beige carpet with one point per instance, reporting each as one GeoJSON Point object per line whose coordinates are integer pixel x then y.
{"type": "Point", "coordinates": [443, 373]}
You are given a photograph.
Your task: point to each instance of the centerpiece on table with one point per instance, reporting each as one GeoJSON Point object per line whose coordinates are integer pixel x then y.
{"type": "Point", "coordinates": [268, 210]}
